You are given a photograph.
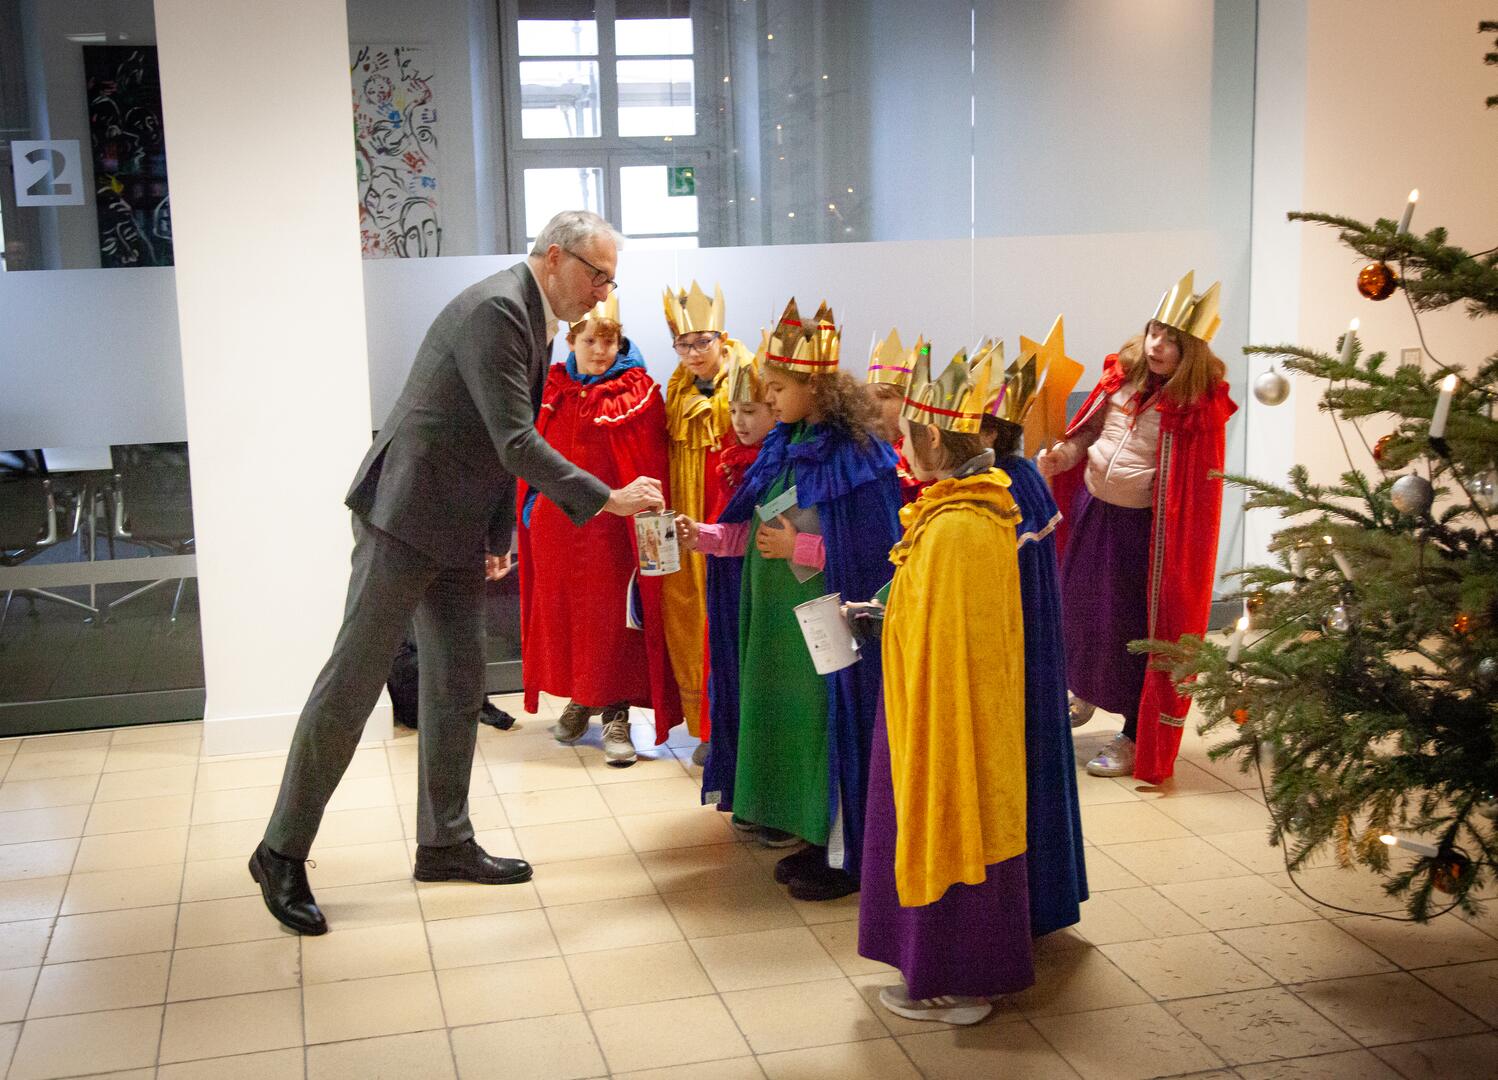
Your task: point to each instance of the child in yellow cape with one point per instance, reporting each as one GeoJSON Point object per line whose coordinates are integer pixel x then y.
{"type": "Point", "coordinates": [945, 894]}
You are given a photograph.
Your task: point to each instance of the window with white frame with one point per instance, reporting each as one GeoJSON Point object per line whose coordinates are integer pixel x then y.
{"type": "Point", "coordinates": [605, 112]}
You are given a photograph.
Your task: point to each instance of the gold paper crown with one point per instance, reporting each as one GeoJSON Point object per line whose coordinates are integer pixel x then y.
{"type": "Point", "coordinates": [603, 310]}
{"type": "Point", "coordinates": [1020, 390]}
{"type": "Point", "coordinates": [992, 351]}
{"type": "Point", "coordinates": [890, 362]}
{"type": "Point", "coordinates": [807, 348]}
{"type": "Point", "coordinates": [955, 401]}
{"type": "Point", "coordinates": [1189, 312]}
{"type": "Point", "coordinates": [746, 375]}
{"type": "Point", "coordinates": [692, 312]}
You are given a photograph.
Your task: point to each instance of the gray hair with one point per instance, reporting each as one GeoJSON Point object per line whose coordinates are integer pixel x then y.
{"type": "Point", "coordinates": [571, 228]}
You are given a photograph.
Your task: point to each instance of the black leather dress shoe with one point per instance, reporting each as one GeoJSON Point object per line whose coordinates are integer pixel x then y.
{"type": "Point", "coordinates": [469, 862]}
{"type": "Point", "coordinates": [283, 884]}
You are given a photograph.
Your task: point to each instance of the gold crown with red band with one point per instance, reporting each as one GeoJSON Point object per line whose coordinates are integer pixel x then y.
{"type": "Point", "coordinates": [805, 347]}
{"type": "Point", "coordinates": [954, 402]}
{"type": "Point", "coordinates": [890, 362]}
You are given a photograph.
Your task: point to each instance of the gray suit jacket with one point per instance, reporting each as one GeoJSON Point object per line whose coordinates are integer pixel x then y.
{"type": "Point", "coordinates": [441, 473]}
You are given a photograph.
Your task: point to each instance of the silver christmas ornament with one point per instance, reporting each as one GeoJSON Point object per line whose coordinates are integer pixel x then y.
{"type": "Point", "coordinates": [1337, 620]}
{"type": "Point", "coordinates": [1271, 388]}
{"type": "Point", "coordinates": [1484, 490]}
{"type": "Point", "coordinates": [1487, 670]}
{"type": "Point", "coordinates": [1412, 494]}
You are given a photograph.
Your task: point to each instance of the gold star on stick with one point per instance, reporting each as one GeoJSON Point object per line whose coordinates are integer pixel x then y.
{"type": "Point", "coordinates": [1058, 375]}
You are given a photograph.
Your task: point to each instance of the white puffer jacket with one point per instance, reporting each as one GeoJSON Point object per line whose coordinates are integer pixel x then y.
{"type": "Point", "coordinates": [1121, 448]}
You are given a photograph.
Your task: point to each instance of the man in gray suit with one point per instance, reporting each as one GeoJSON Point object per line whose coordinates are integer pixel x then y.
{"type": "Point", "coordinates": [433, 508]}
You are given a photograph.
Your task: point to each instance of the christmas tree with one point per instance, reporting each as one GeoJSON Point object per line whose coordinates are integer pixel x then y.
{"type": "Point", "coordinates": [1362, 679]}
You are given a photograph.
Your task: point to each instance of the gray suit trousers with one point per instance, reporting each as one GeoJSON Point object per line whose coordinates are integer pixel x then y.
{"type": "Point", "coordinates": [390, 583]}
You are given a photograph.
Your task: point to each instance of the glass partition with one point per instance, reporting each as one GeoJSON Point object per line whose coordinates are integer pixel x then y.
{"type": "Point", "coordinates": [1000, 163]}
{"type": "Point", "coordinates": [98, 604]}
{"type": "Point", "coordinates": [952, 168]}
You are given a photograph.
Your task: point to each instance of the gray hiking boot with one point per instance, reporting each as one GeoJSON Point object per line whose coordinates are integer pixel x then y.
{"type": "Point", "coordinates": [573, 725]}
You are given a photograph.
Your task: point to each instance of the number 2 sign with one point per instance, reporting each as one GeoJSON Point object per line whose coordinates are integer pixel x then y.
{"type": "Point", "coordinates": [48, 173]}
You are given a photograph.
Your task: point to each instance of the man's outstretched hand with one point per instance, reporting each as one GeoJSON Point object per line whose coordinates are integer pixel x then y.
{"type": "Point", "coordinates": [640, 494]}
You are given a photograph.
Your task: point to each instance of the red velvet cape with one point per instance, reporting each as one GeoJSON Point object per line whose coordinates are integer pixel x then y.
{"type": "Point", "coordinates": [910, 487]}
{"type": "Point", "coordinates": [1183, 547]}
{"type": "Point", "coordinates": [573, 580]}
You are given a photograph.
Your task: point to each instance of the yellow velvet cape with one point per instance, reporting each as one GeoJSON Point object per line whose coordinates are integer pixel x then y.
{"type": "Point", "coordinates": [954, 687]}
{"type": "Point", "coordinates": [695, 426]}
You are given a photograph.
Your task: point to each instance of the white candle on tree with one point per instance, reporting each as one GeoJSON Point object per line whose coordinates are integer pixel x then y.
{"type": "Point", "coordinates": [1409, 211]}
{"type": "Point", "coordinates": [1419, 847]}
{"type": "Point", "coordinates": [1236, 645]}
{"type": "Point", "coordinates": [1443, 407]}
{"type": "Point", "coordinates": [1347, 340]}
{"type": "Point", "coordinates": [1340, 559]}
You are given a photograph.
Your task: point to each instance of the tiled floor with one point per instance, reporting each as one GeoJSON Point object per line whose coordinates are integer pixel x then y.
{"type": "Point", "coordinates": [654, 943]}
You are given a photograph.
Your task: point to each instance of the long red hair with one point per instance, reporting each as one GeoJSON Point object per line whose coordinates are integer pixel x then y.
{"type": "Point", "coordinates": [1199, 369]}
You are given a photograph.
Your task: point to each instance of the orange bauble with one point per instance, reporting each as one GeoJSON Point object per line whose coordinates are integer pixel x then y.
{"type": "Point", "coordinates": [1462, 624]}
{"type": "Point", "coordinates": [1381, 448]}
{"type": "Point", "coordinates": [1240, 716]}
{"type": "Point", "coordinates": [1376, 281]}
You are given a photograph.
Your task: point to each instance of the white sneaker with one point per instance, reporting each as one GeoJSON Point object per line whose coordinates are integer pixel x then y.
{"type": "Point", "coordinates": [1081, 711]}
{"type": "Point", "coordinates": [1116, 758]}
{"type": "Point", "coordinates": [948, 1009]}
{"type": "Point", "coordinates": [618, 747]}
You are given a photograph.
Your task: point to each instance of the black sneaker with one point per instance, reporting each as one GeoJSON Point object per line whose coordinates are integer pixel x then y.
{"type": "Point", "coordinates": [823, 883]}
{"type": "Point", "coordinates": [799, 863]}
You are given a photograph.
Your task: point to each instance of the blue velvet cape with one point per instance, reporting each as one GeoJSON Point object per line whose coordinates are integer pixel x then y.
{"type": "Point", "coordinates": [857, 496]}
{"type": "Point", "coordinates": [1058, 874]}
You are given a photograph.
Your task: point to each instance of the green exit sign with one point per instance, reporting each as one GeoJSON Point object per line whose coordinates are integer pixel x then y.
{"type": "Point", "coordinates": [681, 180]}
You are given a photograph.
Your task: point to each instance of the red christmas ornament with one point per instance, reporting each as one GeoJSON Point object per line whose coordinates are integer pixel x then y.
{"type": "Point", "coordinates": [1447, 871]}
{"type": "Point", "coordinates": [1376, 281]}
{"type": "Point", "coordinates": [1462, 624]}
{"type": "Point", "coordinates": [1381, 448]}
{"type": "Point", "coordinates": [1240, 716]}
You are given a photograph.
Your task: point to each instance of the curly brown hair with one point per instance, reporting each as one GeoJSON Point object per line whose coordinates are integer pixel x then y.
{"type": "Point", "coordinates": [839, 398]}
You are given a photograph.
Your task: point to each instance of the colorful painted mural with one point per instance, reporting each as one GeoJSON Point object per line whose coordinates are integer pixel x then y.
{"type": "Point", "coordinates": [129, 152]}
{"type": "Point", "coordinates": [395, 136]}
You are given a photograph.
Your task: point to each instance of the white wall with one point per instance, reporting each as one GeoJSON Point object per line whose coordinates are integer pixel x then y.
{"type": "Point", "coordinates": [275, 372]}
{"type": "Point", "coordinates": [921, 286]}
{"type": "Point", "coordinates": [1278, 186]}
{"type": "Point", "coordinates": [1383, 96]}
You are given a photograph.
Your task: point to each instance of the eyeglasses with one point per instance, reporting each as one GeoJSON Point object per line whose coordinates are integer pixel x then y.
{"type": "Point", "coordinates": [600, 277]}
{"type": "Point", "coordinates": [699, 346]}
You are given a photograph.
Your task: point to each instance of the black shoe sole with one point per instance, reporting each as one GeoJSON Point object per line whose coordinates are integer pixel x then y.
{"type": "Point", "coordinates": [789, 868]}
{"type": "Point", "coordinates": [821, 884]}
{"type": "Point", "coordinates": [308, 931]}
{"type": "Point", "coordinates": [459, 875]}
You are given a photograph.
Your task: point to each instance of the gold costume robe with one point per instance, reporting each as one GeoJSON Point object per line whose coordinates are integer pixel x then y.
{"type": "Point", "coordinates": [695, 426]}
{"type": "Point", "coordinates": [954, 687]}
